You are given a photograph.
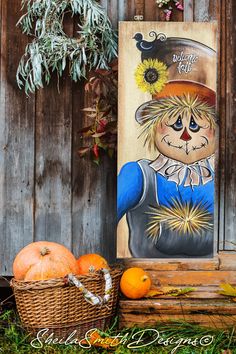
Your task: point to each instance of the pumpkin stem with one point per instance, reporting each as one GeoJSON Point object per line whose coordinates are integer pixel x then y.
{"type": "Point", "coordinates": [44, 251]}
{"type": "Point", "coordinates": [144, 278]}
{"type": "Point", "coordinates": [91, 269]}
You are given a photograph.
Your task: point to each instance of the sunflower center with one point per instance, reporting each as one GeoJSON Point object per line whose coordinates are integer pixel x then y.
{"type": "Point", "coordinates": [151, 75]}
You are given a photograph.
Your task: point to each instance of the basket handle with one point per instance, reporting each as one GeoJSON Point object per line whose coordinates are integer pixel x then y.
{"type": "Point", "coordinates": [88, 295]}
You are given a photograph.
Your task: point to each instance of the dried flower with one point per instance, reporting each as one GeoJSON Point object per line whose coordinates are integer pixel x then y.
{"type": "Point", "coordinates": [168, 9]}
{"type": "Point", "coordinates": [168, 14]}
{"type": "Point", "coordinates": [179, 5]}
{"type": "Point", "coordinates": [160, 3]}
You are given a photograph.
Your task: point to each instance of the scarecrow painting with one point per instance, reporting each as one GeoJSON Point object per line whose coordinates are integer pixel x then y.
{"type": "Point", "coordinates": [169, 201]}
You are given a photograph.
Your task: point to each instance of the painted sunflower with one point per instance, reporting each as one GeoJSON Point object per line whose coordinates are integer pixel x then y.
{"type": "Point", "coordinates": [151, 76]}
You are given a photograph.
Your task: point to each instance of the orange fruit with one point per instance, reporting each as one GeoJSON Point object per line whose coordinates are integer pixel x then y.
{"type": "Point", "coordinates": [90, 263]}
{"type": "Point", "coordinates": [43, 260]}
{"type": "Point", "coordinates": [135, 283]}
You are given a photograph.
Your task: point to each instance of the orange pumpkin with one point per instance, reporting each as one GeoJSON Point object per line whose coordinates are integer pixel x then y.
{"type": "Point", "coordinates": [43, 260]}
{"type": "Point", "coordinates": [90, 263]}
{"type": "Point", "coordinates": [135, 283]}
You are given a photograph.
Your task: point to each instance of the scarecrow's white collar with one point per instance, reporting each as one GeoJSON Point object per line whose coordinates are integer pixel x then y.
{"type": "Point", "coordinates": [200, 172]}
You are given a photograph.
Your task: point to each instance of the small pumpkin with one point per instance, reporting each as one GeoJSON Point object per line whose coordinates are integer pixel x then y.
{"type": "Point", "coordinates": [43, 260]}
{"type": "Point", "coordinates": [90, 263]}
{"type": "Point", "coordinates": [135, 283]}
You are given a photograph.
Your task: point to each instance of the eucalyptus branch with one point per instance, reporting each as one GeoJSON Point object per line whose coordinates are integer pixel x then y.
{"type": "Point", "coordinates": [51, 49]}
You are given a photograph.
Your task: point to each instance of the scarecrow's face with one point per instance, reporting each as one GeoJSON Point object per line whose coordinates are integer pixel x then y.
{"type": "Point", "coordinates": [185, 138]}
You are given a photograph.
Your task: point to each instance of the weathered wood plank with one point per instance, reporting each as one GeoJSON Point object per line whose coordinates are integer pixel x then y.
{"type": "Point", "coordinates": [178, 306]}
{"type": "Point", "coordinates": [16, 144]}
{"type": "Point", "coordinates": [139, 10]}
{"type": "Point", "coordinates": [123, 8]}
{"type": "Point", "coordinates": [205, 10]}
{"type": "Point", "coordinates": [131, 10]}
{"type": "Point", "coordinates": [170, 264]}
{"type": "Point", "coordinates": [188, 11]}
{"type": "Point", "coordinates": [93, 234]}
{"type": "Point", "coordinates": [1, 13]}
{"type": "Point", "coordinates": [53, 165]}
{"type": "Point", "coordinates": [53, 179]}
{"type": "Point", "coordinates": [93, 187]}
{"type": "Point", "coordinates": [221, 84]}
{"type": "Point", "coordinates": [227, 261]}
{"type": "Point", "coordinates": [215, 321]}
{"type": "Point", "coordinates": [178, 15]}
{"type": "Point", "coordinates": [94, 193]}
{"type": "Point", "coordinates": [152, 12]}
{"type": "Point", "coordinates": [230, 157]}
{"type": "Point", "coordinates": [113, 12]}
{"type": "Point", "coordinates": [53, 160]}
{"type": "Point", "coordinates": [192, 278]}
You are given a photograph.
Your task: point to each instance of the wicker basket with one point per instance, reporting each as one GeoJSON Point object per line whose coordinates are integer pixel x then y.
{"type": "Point", "coordinates": [63, 309]}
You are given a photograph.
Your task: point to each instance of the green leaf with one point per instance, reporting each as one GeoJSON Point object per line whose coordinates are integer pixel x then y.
{"type": "Point", "coordinates": [227, 290]}
{"type": "Point", "coordinates": [97, 161]}
{"type": "Point", "coordinates": [110, 153]}
{"type": "Point", "coordinates": [183, 291]}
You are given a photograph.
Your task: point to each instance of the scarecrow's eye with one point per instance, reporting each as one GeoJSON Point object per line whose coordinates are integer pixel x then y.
{"type": "Point", "coordinates": [193, 126]}
{"type": "Point", "coordinates": [178, 125]}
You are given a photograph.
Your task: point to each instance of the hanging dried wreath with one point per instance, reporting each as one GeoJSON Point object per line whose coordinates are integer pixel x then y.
{"type": "Point", "coordinates": [51, 48]}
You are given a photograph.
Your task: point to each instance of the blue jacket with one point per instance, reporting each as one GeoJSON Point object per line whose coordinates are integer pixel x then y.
{"type": "Point", "coordinates": [130, 189]}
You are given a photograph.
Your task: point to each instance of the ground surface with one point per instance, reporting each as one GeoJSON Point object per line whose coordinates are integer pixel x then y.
{"type": "Point", "coordinates": [186, 339]}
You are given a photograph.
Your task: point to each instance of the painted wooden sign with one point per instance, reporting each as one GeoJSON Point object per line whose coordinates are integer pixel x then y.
{"type": "Point", "coordinates": [167, 129]}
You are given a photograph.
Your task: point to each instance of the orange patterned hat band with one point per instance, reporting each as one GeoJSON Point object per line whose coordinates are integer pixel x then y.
{"type": "Point", "coordinates": [181, 87]}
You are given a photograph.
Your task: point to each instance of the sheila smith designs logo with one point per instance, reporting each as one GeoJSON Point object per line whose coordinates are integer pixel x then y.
{"type": "Point", "coordinates": [140, 339]}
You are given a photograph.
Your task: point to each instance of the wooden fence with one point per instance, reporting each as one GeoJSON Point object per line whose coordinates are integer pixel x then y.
{"type": "Point", "coordinates": [46, 190]}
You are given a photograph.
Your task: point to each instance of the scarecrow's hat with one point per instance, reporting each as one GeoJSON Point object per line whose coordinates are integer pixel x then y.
{"type": "Point", "coordinates": [174, 67]}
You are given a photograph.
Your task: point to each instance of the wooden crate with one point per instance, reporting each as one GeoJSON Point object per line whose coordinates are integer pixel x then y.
{"type": "Point", "coordinates": [205, 306]}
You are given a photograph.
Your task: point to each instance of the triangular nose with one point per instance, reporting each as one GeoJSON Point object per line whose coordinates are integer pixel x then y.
{"type": "Point", "coordinates": [185, 136]}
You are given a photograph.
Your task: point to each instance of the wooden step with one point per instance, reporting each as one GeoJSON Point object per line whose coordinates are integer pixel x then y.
{"type": "Point", "coordinates": [192, 278]}
{"type": "Point", "coordinates": [205, 307]}
{"type": "Point", "coordinates": [173, 264]}
{"type": "Point", "coordinates": [209, 309]}
{"type": "Point", "coordinates": [206, 320]}
{"type": "Point", "coordinates": [178, 306]}
{"type": "Point", "coordinates": [223, 261]}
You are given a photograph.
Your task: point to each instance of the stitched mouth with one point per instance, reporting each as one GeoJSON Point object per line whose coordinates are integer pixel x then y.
{"type": "Point", "coordinates": [169, 143]}
{"type": "Point", "coordinates": [186, 146]}
{"type": "Point", "coordinates": [202, 146]}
